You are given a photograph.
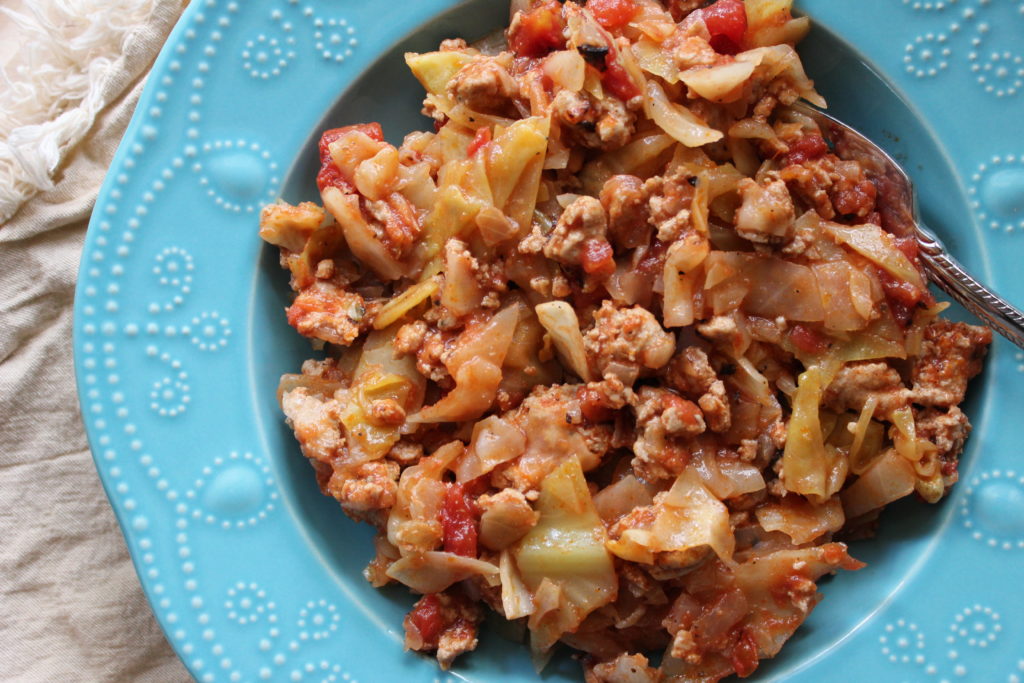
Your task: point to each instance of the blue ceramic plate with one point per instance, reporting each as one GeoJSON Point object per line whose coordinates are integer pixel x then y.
{"type": "Point", "coordinates": [180, 339]}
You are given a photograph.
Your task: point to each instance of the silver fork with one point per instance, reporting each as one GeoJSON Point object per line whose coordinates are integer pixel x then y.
{"type": "Point", "coordinates": [896, 191]}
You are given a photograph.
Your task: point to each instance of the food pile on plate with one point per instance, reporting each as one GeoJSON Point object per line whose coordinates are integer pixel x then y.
{"type": "Point", "coordinates": [620, 348]}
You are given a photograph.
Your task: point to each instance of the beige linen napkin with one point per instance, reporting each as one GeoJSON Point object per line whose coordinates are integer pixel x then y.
{"type": "Point", "coordinates": [71, 608]}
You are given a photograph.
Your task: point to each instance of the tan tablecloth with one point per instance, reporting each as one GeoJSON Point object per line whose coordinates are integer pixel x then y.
{"type": "Point", "coordinates": [71, 608]}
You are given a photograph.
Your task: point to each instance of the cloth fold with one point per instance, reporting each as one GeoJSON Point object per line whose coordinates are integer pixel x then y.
{"type": "Point", "coordinates": [71, 607]}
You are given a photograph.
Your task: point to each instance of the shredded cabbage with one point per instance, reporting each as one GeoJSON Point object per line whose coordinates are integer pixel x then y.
{"type": "Point", "coordinates": [810, 466]}
{"type": "Point", "coordinates": [567, 549]}
{"type": "Point", "coordinates": [687, 521]}
{"type": "Point", "coordinates": [677, 120]}
{"type": "Point", "coordinates": [559, 319]}
{"type": "Point", "coordinates": [476, 366]}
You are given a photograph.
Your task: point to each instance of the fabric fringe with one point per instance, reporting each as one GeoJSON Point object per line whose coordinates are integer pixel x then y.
{"type": "Point", "coordinates": [54, 89]}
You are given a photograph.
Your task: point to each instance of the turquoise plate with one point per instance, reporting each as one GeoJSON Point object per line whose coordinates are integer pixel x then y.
{"type": "Point", "coordinates": [180, 338]}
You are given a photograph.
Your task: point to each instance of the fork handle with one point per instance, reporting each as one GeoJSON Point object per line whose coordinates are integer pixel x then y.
{"type": "Point", "coordinates": [951, 277]}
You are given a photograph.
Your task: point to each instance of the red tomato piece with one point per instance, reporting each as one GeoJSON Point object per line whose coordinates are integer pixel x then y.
{"type": "Point", "coordinates": [902, 297]}
{"type": "Point", "coordinates": [899, 290]}
{"type": "Point", "coordinates": [426, 618]}
{"type": "Point", "coordinates": [597, 258]}
{"type": "Point", "coordinates": [538, 32]}
{"type": "Point", "coordinates": [744, 655]}
{"type": "Point", "coordinates": [458, 521]}
{"type": "Point", "coordinates": [808, 147]}
{"type": "Point", "coordinates": [593, 406]}
{"type": "Point", "coordinates": [612, 13]}
{"type": "Point", "coordinates": [727, 23]}
{"type": "Point", "coordinates": [330, 174]}
{"type": "Point", "coordinates": [617, 80]}
{"type": "Point", "coordinates": [482, 137]}
{"type": "Point", "coordinates": [911, 248]}
{"type": "Point", "coordinates": [808, 339]}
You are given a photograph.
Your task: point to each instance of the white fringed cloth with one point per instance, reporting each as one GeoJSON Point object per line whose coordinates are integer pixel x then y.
{"type": "Point", "coordinates": [71, 608]}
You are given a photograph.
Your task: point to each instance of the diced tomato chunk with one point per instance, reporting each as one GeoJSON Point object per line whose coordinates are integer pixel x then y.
{"type": "Point", "coordinates": [808, 339]}
{"type": "Point", "coordinates": [902, 297]}
{"type": "Point", "coordinates": [330, 174]}
{"type": "Point", "coordinates": [458, 521]}
{"type": "Point", "coordinates": [482, 137]}
{"type": "Point", "coordinates": [744, 655]}
{"type": "Point", "coordinates": [808, 147]}
{"type": "Point", "coordinates": [911, 249]}
{"type": "Point", "coordinates": [597, 258]}
{"type": "Point", "coordinates": [593, 406]}
{"type": "Point", "coordinates": [538, 32]}
{"type": "Point", "coordinates": [727, 23]}
{"type": "Point", "coordinates": [426, 618]}
{"type": "Point", "coordinates": [612, 13]}
{"type": "Point", "coordinates": [617, 80]}
{"type": "Point", "coordinates": [900, 290]}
